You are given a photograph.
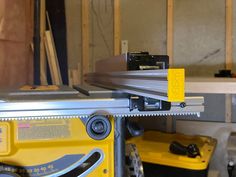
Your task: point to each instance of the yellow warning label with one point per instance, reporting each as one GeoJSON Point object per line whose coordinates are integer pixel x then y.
{"type": "Point", "coordinates": [43, 129]}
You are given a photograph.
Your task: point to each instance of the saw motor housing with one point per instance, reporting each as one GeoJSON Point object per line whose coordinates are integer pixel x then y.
{"type": "Point", "coordinates": [58, 147]}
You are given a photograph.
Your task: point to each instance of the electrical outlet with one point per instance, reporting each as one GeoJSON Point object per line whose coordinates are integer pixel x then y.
{"type": "Point", "coordinates": [124, 46]}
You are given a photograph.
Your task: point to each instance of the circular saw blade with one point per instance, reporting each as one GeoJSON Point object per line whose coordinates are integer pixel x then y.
{"type": "Point", "coordinates": [134, 167]}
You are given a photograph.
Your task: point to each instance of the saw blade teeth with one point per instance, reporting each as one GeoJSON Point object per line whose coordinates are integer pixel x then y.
{"type": "Point", "coordinates": [116, 116]}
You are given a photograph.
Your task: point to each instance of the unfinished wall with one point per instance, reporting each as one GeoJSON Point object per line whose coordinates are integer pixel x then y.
{"type": "Point", "coordinates": [199, 32]}
{"type": "Point", "coordinates": [101, 30]}
{"type": "Point", "coordinates": [199, 36]}
{"type": "Point", "coordinates": [143, 24]}
{"type": "Point", "coordinates": [100, 34]}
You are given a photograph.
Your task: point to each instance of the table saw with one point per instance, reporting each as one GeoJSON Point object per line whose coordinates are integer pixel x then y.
{"type": "Point", "coordinates": [77, 132]}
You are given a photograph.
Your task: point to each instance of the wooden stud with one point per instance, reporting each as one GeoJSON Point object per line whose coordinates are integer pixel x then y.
{"type": "Point", "coordinates": [170, 30]}
{"type": "Point", "coordinates": [30, 20]}
{"type": "Point", "coordinates": [43, 62]}
{"type": "Point", "coordinates": [117, 28]}
{"type": "Point", "coordinates": [170, 123]}
{"type": "Point", "coordinates": [229, 34]}
{"type": "Point", "coordinates": [85, 37]}
{"type": "Point", "coordinates": [229, 54]}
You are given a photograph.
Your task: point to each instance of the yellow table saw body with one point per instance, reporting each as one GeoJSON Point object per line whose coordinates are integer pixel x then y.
{"type": "Point", "coordinates": [36, 145]}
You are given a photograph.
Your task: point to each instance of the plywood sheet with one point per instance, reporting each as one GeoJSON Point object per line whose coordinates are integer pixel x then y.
{"type": "Point", "coordinates": [13, 64]}
{"type": "Point", "coordinates": [12, 20]}
{"type": "Point", "coordinates": [2, 12]}
{"type": "Point", "coordinates": [15, 39]}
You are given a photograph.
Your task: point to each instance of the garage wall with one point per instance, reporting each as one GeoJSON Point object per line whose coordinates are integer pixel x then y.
{"type": "Point", "coordinates": [199, 32]}
{"type": "Point", "coordinates": [143, 24]}
{"type": "Point", "coordinates": [100, 33]}
{"type": "Point", "coordinates": [199, 36]}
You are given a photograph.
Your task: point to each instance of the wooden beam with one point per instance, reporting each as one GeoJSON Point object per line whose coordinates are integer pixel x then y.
{"type": "Point", "coordinates": [43, 62]}
{"type": "Point", "coordinates": [29, 36]}
{"type": "Point", "coordinates": [170, 30]}
{"type": "Point", "coordinates": [85, 38]}
{"type": "Point", "coordinates": [229, 34]}
{"type": "Point", "coordinates": [170, 122]}
{"type": "Point", "coordinates": [117, 28]}
{"type": "Point", "coordinates": [229, 54]}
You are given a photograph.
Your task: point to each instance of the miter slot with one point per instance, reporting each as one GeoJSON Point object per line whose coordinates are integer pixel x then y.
{"type": "Point", "coordinates": [98, 92]}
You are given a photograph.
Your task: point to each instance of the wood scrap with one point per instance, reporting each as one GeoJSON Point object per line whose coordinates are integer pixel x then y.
{"type": "Point", "coordinates": [43, 61]}
{"type": "Point", "coordinates": [52, 55]}
{"type": "Point", "coordinates": [52, 59]}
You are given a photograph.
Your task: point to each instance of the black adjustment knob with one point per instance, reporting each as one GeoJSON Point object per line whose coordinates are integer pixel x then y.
{"type": "Point", "coordinates": [98, 127]}
{"type": "Point", "coordinates": [134, 128]}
